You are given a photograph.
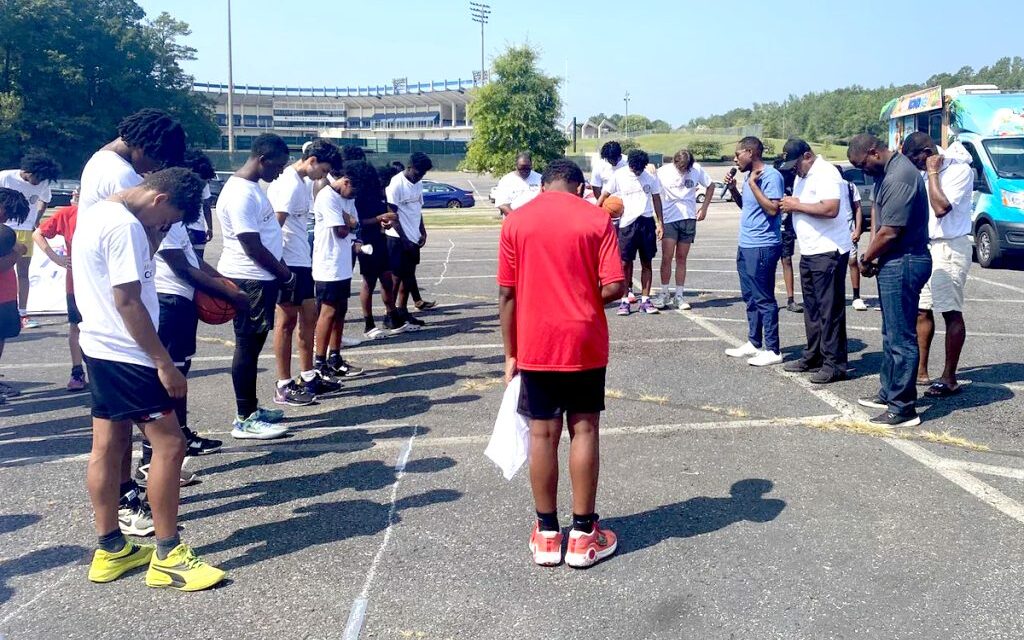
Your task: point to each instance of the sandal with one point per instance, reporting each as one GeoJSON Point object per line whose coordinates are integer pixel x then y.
{"type": "Point", "coordinates": [941, 390]}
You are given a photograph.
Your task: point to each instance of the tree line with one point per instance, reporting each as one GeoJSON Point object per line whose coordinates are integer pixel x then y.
{"type": "Point", "coordinates": [843, 113]}
{"type": "Point", "coordinates": [70, 70]}
{"type": "Point", "coordinates": [635, 122]}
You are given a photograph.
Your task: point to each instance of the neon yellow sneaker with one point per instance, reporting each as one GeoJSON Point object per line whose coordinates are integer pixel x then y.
{"type": "Point", "coordinates": [182, 569]}
{"type": "Point", "coordinates": [108, 566]}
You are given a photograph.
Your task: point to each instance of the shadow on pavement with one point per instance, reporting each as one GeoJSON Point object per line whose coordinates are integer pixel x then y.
{"type": "Point", "coordinates": [35, 562]}
{"type": "Point", "coordinates": [696, 516]}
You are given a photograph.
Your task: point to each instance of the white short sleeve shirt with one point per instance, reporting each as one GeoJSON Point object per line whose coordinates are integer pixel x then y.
{"type": "Point", "coordinates": [243, 208]}
{"type": "Point", "coordinates": [679, 191]}
{"type": "Point", "coordinates": [332, 256]}
{"type": "Point", "coordinates": [956, 177]}
{"type": "Point", "coordinates": [111, 249]}
{"type": "Point", "coordinates": [515, 191]}
{"type": "Point", "coordinates": [290, 194]}
{"type": "Point", "coordinates": [105, 174]}
{"type": "Point", "coordinates": [637, 193]}
{"type": "Point", "coordinates": [200, 223]}
{"type": "Point", "coordinates": [816, 234]}
{"type": "Point", "coordinates": [408, 199]}
{"type": "Point", "coordinates": [602, 173]}
{"type": "Point", "coordinates": [34, 193]}
{"type": "Point", "coordinates": [166, 280]}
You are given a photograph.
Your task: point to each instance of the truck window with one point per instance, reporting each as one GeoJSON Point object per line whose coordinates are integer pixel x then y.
{"type": "Point", "coordinates": [980, 183]}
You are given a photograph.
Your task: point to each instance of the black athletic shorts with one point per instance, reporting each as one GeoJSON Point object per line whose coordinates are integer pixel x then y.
{"type": "Point", "coordinates": [10, 320]}
{"type": "Point", "coordinates": [372, 266]}
{"type": "Point", "coordinates": [303, 289]}
{"type": "Point", "coordinates": [546, 395]}
{"type": "Point", "coordinates": [402, 256]}
{"type": "Point", "coordinates": [788, 237]}
{"type": "Point", "coordinates": [198, 238]}
{"type": "Point", "coordinates": [178, 325]}
{"type": "Point", "coordinates": [262, 296]}
{"type": "Point", "coordinates": [639, 237]}
{"type": "Point", "coordinates": [335, 293]}
{"type": "Point", "coordinates": [74, 315]}
{"type": "Point", "coordinates": [125, 391]}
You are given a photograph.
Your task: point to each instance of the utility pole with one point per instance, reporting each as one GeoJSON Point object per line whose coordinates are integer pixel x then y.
{"type": "Point", "coordinates": [231, 90]}
{"type": "Point", "coordinates": [481, 13]}
{"type": "Point", "coordinates": [625, 121]}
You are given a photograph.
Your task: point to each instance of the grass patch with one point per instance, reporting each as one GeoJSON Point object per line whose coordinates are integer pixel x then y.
{"type": "Point", "coordinates": [614, 393]}
{"type": "Point", "coordinates": [863, 428]}
{"type": "Point", "coordinates": [646, 397]}
{"type": "Point", "coordinates": [481, 384]}
{"type": "Point", "coordinates": [949, 439]}
{"type": "Point", "coordinates": [471, 218]}
{"type": "Point", "coordinates": [725, 411]}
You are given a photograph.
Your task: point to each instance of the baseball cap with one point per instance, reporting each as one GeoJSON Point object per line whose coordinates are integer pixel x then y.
{"type": "Point", "coordinates": [795, 148]}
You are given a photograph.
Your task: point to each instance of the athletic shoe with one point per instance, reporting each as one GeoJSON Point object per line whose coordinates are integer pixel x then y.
{"type": "Point", "coordinates": [350, 342]}
{"type": "Point", "coordinates": [546, 546]}
{"type": "Point", "coordinates": [183, 570]}
{"type": "Point", "coordinates": [344, 369]}
{"type": "Point", "coordinates": [198, 445]}
{"type": "Point", "coordinates": [765, 358]}
{"type": "Point", "coordinates": [827, 377]}
{"type": "Point", "coordinates": [273, 416]}
{"type": "Point", "coordinates": [8, 391]}
{"type": "Point", "coordinates": [292, 395]}
{"type": "Point", "coordinates": [252, 428]}
{"type": "Point", "coordinates": [893, 420]}
{"type": "Point", "coordinates": [660, 301]}
{"type": "Point", "coordinates": [647, 307]}
{"type": "Point", "coordinates": [795, 307]}
{"type": "Point", "coordinates": [860, 305]}
{"type": "Point", "coordinates": [135, 519]}
{"type": "Point", "coordinates": [416, 322]}
{"type": "Point", "coordinates": [320, 385]}
{"type": "Point", "coordinates": [423, 305]}
{"type": "Point", "coordinates": [29, 323]}
{"type": "Point", "coordinates": [402, 327]}
{"type": "Point", "coordinates": [587, 549]}
{"type": "Point", "coordinates": [670, 300]}
{"type": "Point", "coordinates": [374, 334]}
{"type": "Point", "coordinates": [624, 308]}
{"type": "Point", "coordinates": [801, 366]}
{"type": "Point", "coordinates": [872, 402]}
{"type": "Point", "coordinates": [746, 351]}
{"type": "Point", "coordinates": [76, 383]}
{"type": "Point", "coordinates": [631, 297]}
{"type": "Point", "coordinates": [107, 566]}
{"type": "Point", "coordinates": [683, 305]}
{"type": "Point", "coordinates": [141, 476]}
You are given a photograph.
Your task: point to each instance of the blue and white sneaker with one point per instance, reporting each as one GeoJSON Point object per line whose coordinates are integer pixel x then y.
{"type": "Point", "coordinates": [253, 429]}
{"type": "Point", "coordinates": [273, 416]}
{"type": "Point", "coordinates": [624, 308]}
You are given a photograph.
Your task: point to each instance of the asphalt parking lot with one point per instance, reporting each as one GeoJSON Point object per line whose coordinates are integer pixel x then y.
{"type": "Point", "coordinates": [749, 503]}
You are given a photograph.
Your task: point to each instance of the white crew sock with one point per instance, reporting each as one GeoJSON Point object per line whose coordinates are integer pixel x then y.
{"type": "Point", "coordinates": [308, 375]}
{"type": "Point", "coordinates": [281, 384]}
{"type": "Point", "coordinates": [679, 292]}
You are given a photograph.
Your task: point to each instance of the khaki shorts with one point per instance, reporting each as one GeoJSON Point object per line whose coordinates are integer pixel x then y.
{"type": "Point", "coordinates": [944, 291]}
{"type": "Point", "coordinates": [25, 238]}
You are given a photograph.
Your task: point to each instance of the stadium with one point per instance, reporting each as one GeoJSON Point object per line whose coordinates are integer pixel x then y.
{"type": "Point", "coordinates": [397, 118]}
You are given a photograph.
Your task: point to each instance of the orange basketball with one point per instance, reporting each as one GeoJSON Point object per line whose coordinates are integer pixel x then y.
{"type": "Point", "coordinates": [214, 310]}
{"type": "Point", "coordinates": [613, 205]}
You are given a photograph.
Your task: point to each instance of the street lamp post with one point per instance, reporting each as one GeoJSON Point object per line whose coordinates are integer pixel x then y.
{"type": "Point", "coordinates": [231, 90]}
{"type": "Point", "coordinates": [625, 120]}
{"type": "Point", "coordinates": [481, 13]}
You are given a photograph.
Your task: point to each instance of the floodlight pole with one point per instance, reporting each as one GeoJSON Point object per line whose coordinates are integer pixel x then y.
{"type": "Point", "coordinates": [625, 121]}
{"type": "Point", "coordinates": [481, 13]}
{"type": "Point", "coordinates": [231, 90]}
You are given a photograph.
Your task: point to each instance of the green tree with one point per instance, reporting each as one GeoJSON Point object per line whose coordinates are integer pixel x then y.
{"type": "Point", "coordinates": [517, 111]}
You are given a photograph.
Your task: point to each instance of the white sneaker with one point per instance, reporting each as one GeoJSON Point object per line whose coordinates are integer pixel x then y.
{"type": "Point", "coordinates": [765, 358]}
{"type": "Point", "coordinates": [860, 305]}
{"type": "Point", "coordinates": [375, 333]}
{"type": "Point", "coordinates": [350, 342]}
{"type": "Point", "coordinates": [660, 301]}
{"type": "Point", "coordinates": [745, 351]}
{"type": "Point", "coordinates": [253, 429]}
{"type": "Point", "coordinates": [683, 306]}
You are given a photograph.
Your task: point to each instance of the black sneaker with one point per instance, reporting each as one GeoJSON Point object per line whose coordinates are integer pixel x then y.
{"type": "Point", "coordinates": [321, 385]}
{"type": "Point", "coordinates": [795, 307]}
{"type": "Point", "coordinates": [827, 377]}
{"type": "Point", "coordinates": [801, 366]}
{"type": "Point", "coordinates": [872, 402]}
{"type": "Point", "coordinates": [414, 321]}
{"type": "Point", "coordinates": [344, 369]}
{"type": "Point", "coordinates": [895, 420]}
{"type": "Point", "coordinates": [292, 395]}
{"type": "Point", "coordinates": [198, 445]}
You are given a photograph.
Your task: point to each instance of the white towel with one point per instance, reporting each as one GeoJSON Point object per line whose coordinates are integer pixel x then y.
{"type": "Point", "coordinates": [510, 442]}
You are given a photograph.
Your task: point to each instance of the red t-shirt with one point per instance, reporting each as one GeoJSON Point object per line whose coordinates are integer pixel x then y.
{"type": "Point", "coordinates": [557, 251]}
{"type": "Point", "coordinates": [62, 223]}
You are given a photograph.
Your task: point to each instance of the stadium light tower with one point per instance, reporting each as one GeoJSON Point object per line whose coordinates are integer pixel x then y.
{"type": "Point", "coordinates": [625, 121]}
{"type": "Point", "coordinates": [231, 90]}
{"type": "Point", "coordinates": [481, 13]}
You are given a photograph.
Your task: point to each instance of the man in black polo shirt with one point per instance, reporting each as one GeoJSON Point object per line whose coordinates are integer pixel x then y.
{"type": "Point", "coordinates": [898, 255]}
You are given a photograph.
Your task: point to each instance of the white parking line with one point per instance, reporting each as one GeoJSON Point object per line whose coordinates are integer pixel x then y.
{"type": "Point", "coordinates": [444, 268]}
{"type": "Point", "coordinates": [996, 284]}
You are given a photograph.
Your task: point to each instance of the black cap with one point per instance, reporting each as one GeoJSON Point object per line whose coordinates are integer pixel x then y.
{"type": "Point", "coordinates": [794, 150]}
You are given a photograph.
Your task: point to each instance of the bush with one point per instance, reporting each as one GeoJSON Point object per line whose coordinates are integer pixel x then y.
{"type": "Point", "coordinates": [706, 149]}
{"type": "Point", "coordinates": [769, 150]}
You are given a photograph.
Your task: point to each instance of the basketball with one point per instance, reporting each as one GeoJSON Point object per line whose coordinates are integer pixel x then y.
{"type": "Point", "coordinates": [214, 310]}
{"type": "Point", "coordinates": [613, 205]}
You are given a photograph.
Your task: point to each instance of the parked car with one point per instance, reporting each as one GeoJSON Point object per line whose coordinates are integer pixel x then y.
{"type": "Point", "coordinates": [865, 186]}
{"type": "Point", "coordinates": [492, 195]}
{"type": "Point", "coordinates": [216, 185]}
{"type": "Point", "coordinates": [721, 193]}
{"type": "Point", "coordinates": [61, 191]}
{"type": "Point", "coordinates": [439, 194]}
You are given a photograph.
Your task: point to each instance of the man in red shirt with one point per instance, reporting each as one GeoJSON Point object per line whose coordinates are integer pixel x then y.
{"type": "Point", "coordinates": [560, 242]}
{"type": "Point", "coordinates": [62, 223]}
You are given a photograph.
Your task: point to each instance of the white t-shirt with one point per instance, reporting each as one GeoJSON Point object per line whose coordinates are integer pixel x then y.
{"type": "Point", "coordinates": [603, 171]}
{"type": "Point", "coordinates": [514, 191]}
{"type": "Point", "coordinates": [200, 224]}
{"type": "Point", "coordinates": [111, 248]}
{"type": "Point", "coordinates": [243, 208]}
{"type": "Point", "coordinates": [408, 198]}
{"type": "Point", "coordinates": [816, 234]}
{"type": "Point", "coordinates": [332, 256]}
{"type": "Point", "coordinates": [290, 194]}
{"type": "Point", "coordinates": [957, 181]}
{"type": "Point", "coordinates": [34, 193]}
{"type": "Point", "coordinates": [635, 191]}
{"type": "Point", "coordinates": [105, 174]}
{"type": "Point", "coordinates": [679, 191]}
{"type": "Point", "coordinates": [166, 280]}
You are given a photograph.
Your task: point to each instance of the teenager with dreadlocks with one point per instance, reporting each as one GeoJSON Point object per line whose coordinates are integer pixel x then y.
{"type": "Point", "coordinates": [201, 231]}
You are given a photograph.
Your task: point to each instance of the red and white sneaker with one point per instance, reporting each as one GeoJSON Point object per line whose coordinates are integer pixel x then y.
{"type": "Point", "coordinates": [587, 549]}
{"type": "Point", "coordinates": [546, 546]}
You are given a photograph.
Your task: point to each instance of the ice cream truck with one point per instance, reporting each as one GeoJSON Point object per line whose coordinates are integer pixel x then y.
{"type": "Point", "coordinates": [990, 125]}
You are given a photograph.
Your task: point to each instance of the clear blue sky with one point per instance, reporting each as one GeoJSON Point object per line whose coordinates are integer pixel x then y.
{"type": "Point", "coordinates": [678, 59]}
